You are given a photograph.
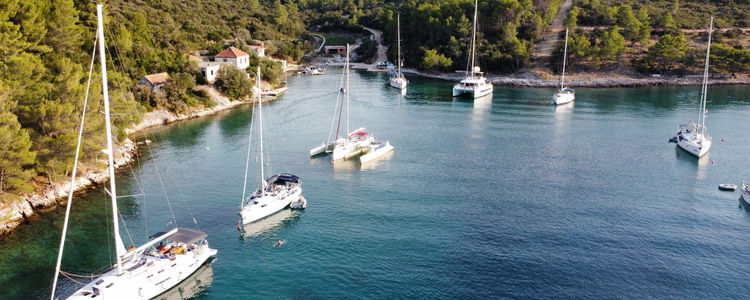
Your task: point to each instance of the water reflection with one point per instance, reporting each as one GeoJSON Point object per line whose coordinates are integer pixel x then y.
{"type": "Point", "coordinates": [702, 162]}
{"type": "Point", "coordinates": [272, 223]}
{"type": "Point", "coordinates": [193, 286]}
{"type": "Point", "coordinates": [482, 105]}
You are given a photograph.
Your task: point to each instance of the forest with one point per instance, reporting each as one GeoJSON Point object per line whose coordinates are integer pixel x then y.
{"type": "Point", "coordinates": [47, 45]}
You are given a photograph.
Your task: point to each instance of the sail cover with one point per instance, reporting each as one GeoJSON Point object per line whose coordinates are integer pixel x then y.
{"type": "Point", "coordinates": [183, 235]}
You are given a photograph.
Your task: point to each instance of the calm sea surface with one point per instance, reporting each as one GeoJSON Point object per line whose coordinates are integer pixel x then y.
{"type": "Point", "coordinates": [507, 197]}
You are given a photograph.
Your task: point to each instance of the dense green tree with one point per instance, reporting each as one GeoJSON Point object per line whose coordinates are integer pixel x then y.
{"type": "Point", "coordinates": [15, 154]}
{"type": "Point", "coordinates": [571, 20]}
{"type": "Point", "coordinates": [432, 60]}
{"type": "Point", "coordinates": [666, 52]}
{"type": "Point", "coordinates": [612, 44]}
{"type": "Point", "coordinates": [64, 34]}
{"type": "Point", "coordinates": [233, 82]}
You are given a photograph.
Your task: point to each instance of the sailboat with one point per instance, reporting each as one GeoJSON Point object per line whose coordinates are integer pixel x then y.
{"type": "Point", "coordinates": [474, 84]}
{"type": "Point", "coordinates": [276, 192]}
{"type": "Point", "coordinates": [564, 94]}
{"type": "Point", "coordinates": [692, 137]}
{"type": "Point", "coordinates": [397, 79]}
{"type": "Point", "coordinates": [745, 191]}
{"type": "Point", "coordinates": [147, 271]}
{"type": "Point", "coordinates": [357, 142]}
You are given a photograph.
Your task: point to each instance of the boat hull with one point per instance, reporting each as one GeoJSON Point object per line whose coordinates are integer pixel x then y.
{"type": "Point", "coordinates": [477, 92]}
{"type": "Point", "coordinates": [269, 204]}
{"type": "Point", "coordinates": [154, 277]}
{"type": "Point", "coordinates": [375, 153]}
{"type": "Point", "coordinates": [398, 82]}
{"type": "Point", "coordinates": [562, 98]}
{"type": "Point", "coordinates": [694, 146]}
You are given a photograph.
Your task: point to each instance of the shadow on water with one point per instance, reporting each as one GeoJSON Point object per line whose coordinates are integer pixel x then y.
{"type": "Point", "coordinates": [743, 204]}
{"type": "Point", "coordinates": [193, 287]}
{"type": "Point", "coordinates": [272, 224]}
{"type": "Point", "coordinates": [236, 122]}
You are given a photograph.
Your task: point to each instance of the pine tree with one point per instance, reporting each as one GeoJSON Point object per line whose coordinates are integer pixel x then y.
{"type": "Point", "coordinates": [14, 155]}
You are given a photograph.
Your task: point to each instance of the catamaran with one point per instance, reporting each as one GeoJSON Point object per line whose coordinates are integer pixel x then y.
{"type": "Point", "coordinates": [357, 142]}
{"type": "Point", "coordinates": [397, 79]}
{"type": "Point", "coordinates": [564, 94]}
{"type": "Point", "coordinates": [276, 192]}
{"type": "Point", "coordinates": [147, 271]}
{"type": "Point", "coordinates": [474, 84]}
{"type": "Point", "coordinates": [692, 137]}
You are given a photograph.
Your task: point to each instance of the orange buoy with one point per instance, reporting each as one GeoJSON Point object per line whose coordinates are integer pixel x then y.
{"type": "Point", "coordinates": [722, 140]}
{"type": "Point", "coordinates": [239, 228]}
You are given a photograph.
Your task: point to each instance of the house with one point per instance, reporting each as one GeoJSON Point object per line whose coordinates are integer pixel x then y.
{"type": "Point", "coordinates": [335, 49]}
{"type": "Point", "coordinates": [154, 81]}
{"type": "Point", "coordinates": [234, 56]}
{"type": "Point", "coordinates": [210, 69]}
{"type": "Point", "coordinates": [258, 48]}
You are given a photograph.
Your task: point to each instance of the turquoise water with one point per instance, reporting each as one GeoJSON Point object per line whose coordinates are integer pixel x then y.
{"type": "Point", "coordinates": [504, 198]}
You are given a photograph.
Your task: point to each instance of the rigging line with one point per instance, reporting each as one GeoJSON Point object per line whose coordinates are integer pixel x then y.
{"type": "Point", "coordinates": [161, 182]}
{"type": "Point", "coordinates": [247, 159]}
{"type": "Point", "coordinates": [335, 108]}
{"type": "Point", "coordinates": [71, 279]}
{"type": "Point", "coordinates": [73, 177]}
{"type": "Point", "coordinates": [109, 236]}
{"type": "Point", "coordinates": [125, 225]}
{"type": "Point", "coordinates": [143, 193]}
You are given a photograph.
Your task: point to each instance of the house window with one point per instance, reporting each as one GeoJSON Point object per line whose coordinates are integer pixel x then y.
{"type": "Point", "coordinates": [212, 72]}
{"type": "Point", "coordinates": [225, 59]}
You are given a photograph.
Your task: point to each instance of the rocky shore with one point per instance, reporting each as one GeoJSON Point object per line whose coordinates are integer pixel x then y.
{"type": "Point", "coordinates": [15, 214]}
{"type": "Point", "coordinates": [596, 80]}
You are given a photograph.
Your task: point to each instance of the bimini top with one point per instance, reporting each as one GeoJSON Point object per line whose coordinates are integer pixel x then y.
{"type": "Point", "coordinates": [183, 235]}
{"type": "Point", "coordinates": [283, 177]}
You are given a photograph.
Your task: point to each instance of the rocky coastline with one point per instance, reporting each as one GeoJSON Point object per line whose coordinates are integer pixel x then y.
{"type": "Point", "coordinates": [56, 193]}
{"type": "Point", "coordinates": [587, 80]}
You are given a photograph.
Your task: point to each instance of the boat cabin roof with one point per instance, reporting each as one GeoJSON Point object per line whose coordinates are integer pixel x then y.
{"type": "Point", "coordinates": [283, 178]}
{"type": "Point", "coordinates": [183, 235]}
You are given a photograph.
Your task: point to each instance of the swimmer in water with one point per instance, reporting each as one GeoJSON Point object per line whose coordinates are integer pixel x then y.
{"type": "Point", "coordinates": [279, 243]}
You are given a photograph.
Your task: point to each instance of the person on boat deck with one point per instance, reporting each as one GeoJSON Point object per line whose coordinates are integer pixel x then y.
{"type": "Point", "coordinates": [161, 248]}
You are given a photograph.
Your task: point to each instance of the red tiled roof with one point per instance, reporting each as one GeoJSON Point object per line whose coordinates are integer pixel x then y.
{"type": "Point", "coordinates": [157, 78]}
{"type": "Point", "coordinates": [231, 52]}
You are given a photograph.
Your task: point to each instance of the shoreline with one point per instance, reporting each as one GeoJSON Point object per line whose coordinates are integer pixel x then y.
{"type": "Point", "coordinates": [55, 194]}
{"type": "Point", "coordinates": [585, 80]}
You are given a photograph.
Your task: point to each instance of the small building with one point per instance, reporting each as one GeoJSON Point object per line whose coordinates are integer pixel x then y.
{"type": "Point", "coordinates": [234, 56]}
{"type": "Point", "coordinates": [210, 69]}
{"type": "Point", "coordinates": [154, 81]}
{"type": "Point", "coordinates": [258, 48]}
{"type": "Point", "coordinates": [335, 49]}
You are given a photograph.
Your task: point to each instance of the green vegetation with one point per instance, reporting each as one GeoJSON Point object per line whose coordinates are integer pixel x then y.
{"type": "Point", "coordinates": [45, 56]}
{"type": "Point", "coordinates": [233, 82]}
{"type": "Point", "coordinates": [338, 40]}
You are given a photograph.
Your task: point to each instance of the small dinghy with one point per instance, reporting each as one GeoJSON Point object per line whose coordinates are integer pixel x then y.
{"type": "Point", "coordinates": [727, 187]}
{"type": "Point", "coordinates": [673, 139]}
{"type": "Point", "coordinates": [300, 203]}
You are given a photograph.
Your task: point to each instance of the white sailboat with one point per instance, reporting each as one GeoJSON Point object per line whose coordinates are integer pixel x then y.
{"type": "Point", "coordinates": [474, 84]}
{"type": "Point", "coordinates": [564, 94]}
{"type": "Point", "coordinates": [397, 79]}
{"type": "Point", "coordinates": [692, 137]}
{"type": "Point", "coordinates": [357, 142]}
{"type": "Point", "coordinates": [276, 192]}
{"type": "Point", "coordinates": [144, 272]}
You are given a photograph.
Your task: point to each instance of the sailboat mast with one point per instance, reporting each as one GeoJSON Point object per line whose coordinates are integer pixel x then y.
{"type": "Point", "coordinates": [704, 88]}
{"type": "Point", "coordinates": [398, 36]}
{"type": "Point", "coordinates": [119, 246]}
{"type": "Point", "coordinates": [346, 91]}
{"type": "Point", "coordinates": [260, 128]}
{"type": "Point", "coordinates": [474, 38]}
{"type": "Point", "coordinates": [565, 56]}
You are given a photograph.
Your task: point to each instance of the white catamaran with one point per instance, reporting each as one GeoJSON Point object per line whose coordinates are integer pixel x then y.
{"type": "Point", "coordinates": [474, 84]}
{"type": "Point", "coordinates": [692, 137]}
{"type": "Point", "coordinates": [357, 142]}
{"type": "Point", "coordinates": [564, 94]}
{"type": "Point", "coordinates": [397, 79]}
{"type": "Point", "coordinates": [276, 192]}
{"type": "Point", "coordinates": [147, 271]}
